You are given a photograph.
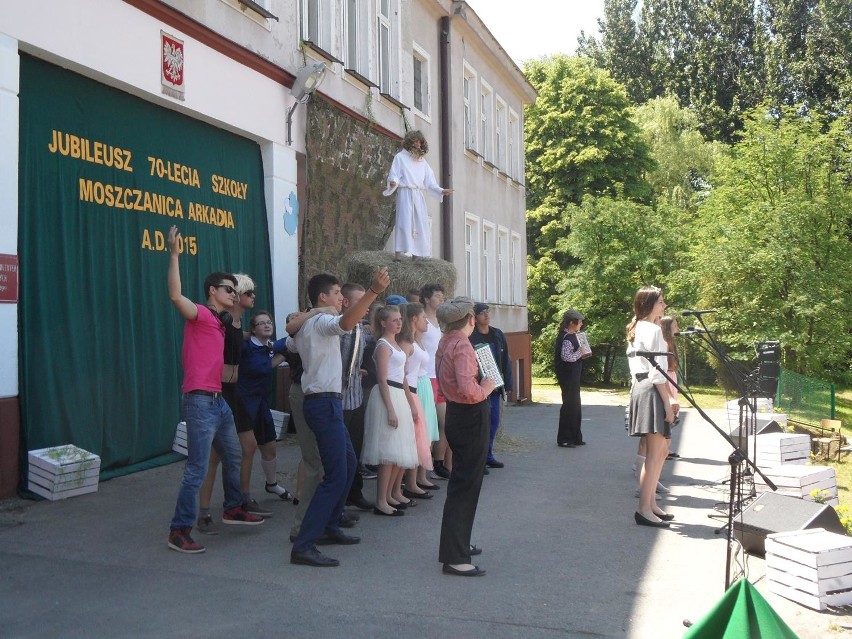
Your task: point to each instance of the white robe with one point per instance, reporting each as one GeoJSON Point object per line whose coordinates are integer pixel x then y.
{"type": "Point", "coordinates": [414, 178]}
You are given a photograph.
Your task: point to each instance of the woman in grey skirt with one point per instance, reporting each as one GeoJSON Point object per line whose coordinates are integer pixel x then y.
{"type": "Point", "coordinates": [651, 412]}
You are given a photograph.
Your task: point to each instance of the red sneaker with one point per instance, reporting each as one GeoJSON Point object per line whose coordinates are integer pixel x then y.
{"type": "Point", "coordinates": [180, 540]}
{"type": "Point", "coordinates": [238, 515]}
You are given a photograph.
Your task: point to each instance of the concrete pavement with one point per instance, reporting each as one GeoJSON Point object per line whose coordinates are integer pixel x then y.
{"type": "Point", "coordinates": [563, 555]}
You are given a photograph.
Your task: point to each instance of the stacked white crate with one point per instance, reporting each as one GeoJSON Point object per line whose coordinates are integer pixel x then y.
{"type": "Point", "coordinates": [777, 449]}
{"type": "Point", "coordinates": [764, 409]}
{"type": "Point", "coordinates": [179, 445]}
{"type": "Point", "coordinates": [63, 471]}
{"type": "Point", "coordinates": [280, 420]}
{"type": "Point", "coordinates": [812, 567]}
{"type": "Point", "coordinates": [800, 481]}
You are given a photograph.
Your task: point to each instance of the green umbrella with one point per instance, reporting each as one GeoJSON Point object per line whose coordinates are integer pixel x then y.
{"type": "Point", "coordinates": [742, 613]}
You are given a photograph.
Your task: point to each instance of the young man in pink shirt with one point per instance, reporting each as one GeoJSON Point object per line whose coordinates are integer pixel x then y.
{"type": "Point", "coordinates": [209, 421]}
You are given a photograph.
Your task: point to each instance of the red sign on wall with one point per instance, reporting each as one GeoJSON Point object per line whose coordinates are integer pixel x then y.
{"type": "Point", "coordinates": [171, 65]}
{"type": "Point", "coordinates": [9, 278]}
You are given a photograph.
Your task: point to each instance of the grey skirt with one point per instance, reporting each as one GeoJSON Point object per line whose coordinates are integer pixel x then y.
{"type": "Point", "coordinates": [646, 412]}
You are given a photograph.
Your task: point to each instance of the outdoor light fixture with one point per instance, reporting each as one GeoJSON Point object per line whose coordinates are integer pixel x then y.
{"type": "Point", "coordinates": [307, 81]}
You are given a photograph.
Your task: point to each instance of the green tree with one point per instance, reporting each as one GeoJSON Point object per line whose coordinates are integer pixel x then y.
{"type": "Point", "coordinates": [772, 250]}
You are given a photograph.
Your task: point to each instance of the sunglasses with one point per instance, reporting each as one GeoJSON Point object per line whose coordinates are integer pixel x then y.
{"type": "Point", "coordinates": [249, 293]}
{"type": "Point", "coordinates": [230, 290]}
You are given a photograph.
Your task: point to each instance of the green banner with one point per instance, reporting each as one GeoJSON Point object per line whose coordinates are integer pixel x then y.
{"type": "Point", "coordinates": [103, 176]}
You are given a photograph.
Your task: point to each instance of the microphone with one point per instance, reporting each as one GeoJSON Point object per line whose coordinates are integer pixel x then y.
{"type": "Point", "coordinates": [692, 330]}
{"type": "Point", "coordinates": [634, 353]}
{"type": "Point", "coordinates": [689, 312]}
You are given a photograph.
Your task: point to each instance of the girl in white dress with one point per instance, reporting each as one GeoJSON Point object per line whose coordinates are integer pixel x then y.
{"type": "Point", "coordinates": [389, 421]}
{"type": "Point", "coordinates": [417, 376]}
{"type": "Point", "coordinates": [412, 176]}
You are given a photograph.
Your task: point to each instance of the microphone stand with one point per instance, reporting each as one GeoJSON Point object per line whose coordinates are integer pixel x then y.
{"type": "Point", "coordinates": [735, 459]}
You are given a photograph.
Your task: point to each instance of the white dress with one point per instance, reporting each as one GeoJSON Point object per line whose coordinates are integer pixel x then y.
{"type": "Point", "coordinates": [414, 178]}
{"type": "Point", "coordinates": [384, 444]}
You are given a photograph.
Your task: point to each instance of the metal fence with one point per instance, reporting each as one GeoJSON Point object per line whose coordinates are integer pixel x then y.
{"type": "Point", "coordinates": [804, 399]}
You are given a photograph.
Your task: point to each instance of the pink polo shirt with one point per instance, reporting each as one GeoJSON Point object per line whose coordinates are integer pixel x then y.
{"type": "Point", "coordinates": [203, 352]}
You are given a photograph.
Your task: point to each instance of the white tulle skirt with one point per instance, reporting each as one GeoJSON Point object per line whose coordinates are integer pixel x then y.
{"type": "Point", "coordinates": [382, 443]}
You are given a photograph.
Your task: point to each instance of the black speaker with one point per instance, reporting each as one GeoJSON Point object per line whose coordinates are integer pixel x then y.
{"type": "Point", "coordinates": [768, 367]}
{"type": "Point", "coordinates": [772, 513]}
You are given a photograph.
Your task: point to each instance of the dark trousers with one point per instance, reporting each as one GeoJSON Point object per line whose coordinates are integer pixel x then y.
{"type": "Point", "coordinates": [324, 416]}
{"type": "Point", "coordinates": [467, 427]}
{"type": "Point", "coordinates": [494, 401]}
{"type": "Point", "coordinates": [354, 420]}
{"type": "Point", "coordinates": [570, 415]}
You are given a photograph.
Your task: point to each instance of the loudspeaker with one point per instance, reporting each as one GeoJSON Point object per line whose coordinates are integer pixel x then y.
{"type": "Point", "coordinates": [768, 366]}
{"type": "Point", "coordinates": [772, 513]}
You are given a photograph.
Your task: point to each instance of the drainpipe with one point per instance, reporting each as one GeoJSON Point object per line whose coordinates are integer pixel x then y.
{"type": "Point", "coordinates": [446, 140]}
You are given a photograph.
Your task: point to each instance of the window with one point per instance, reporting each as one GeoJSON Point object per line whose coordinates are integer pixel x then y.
{"type": "Point", "coordinates": [468, 94]}
{"type": "Point", "coordinates": [422, 97]}
{"type": "Point", "coordinates": [489, 262]}
{"type": "Point", "coordinates": [317, 22]}
{"type": "Point", "coordinates": [387, 34]}
{"type": "Point", "coordinates": [513, 162]}
{"type": "Point", "coordinates": [504, 261]}
{"type": "Point", "coordinates": [357, 38]}
{"type": "Point", "coordinates": [519, 268]}
{"type": "Point", "coordinates": [471, 255]}
{"type": "Point", "coordinates": [500, 135]}
{"type": "Point", "coordinates": [486, 124]}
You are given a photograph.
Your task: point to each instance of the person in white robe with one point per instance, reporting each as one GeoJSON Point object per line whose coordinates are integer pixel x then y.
{"type": "Point", "coordinates": [411, 178]}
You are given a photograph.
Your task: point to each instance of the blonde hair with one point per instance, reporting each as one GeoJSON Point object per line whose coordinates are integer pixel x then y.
{"type": "Point", "coordinates": [244, 283]}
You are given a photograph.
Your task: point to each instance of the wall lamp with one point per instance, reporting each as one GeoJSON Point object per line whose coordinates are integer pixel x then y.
{"type": "Point", "coordinates": [307, 81]}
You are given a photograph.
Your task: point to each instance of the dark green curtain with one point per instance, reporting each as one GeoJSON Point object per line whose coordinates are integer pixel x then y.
{"type": "Point", "coordinates": [100, 341]}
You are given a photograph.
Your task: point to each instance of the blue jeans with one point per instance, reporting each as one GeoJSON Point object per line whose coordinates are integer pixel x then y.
{"type": "Point", "coordinates": [494, 400]}
{"type": "Point", "coordinates": [324, 416]}
{"type": "Point", "coordinates": [209, 422]}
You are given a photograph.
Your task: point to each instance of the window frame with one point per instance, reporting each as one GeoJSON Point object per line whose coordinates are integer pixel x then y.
{"type": "Point", "coordinates": [518, 269]}
{"type": "Point", "coordinates": [471, 121]}
{"type": "Point", "coordinates": [418, 52]}
{"type": "Point", "coordinates": [504, 259]}
{"type": "Point", "coordinates": [486, 116]}
{"type": "Point", "coordinates": [488, 277]}
{"type": "Point", "coordinates": [472, 252]}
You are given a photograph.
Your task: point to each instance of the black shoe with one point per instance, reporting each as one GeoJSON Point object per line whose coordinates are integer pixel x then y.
{"type": "Point", "coordinates": [338, 538]}
{"type": "Point", "coordinates": [579, 443]}
{"type": "Point", "coordinates": [494, 464]}
{"type": "Point", "coordinates": [347, 520]}
{"type": "Point", "coordinates": [666, 517]}
{"type": "Point", "coordinates": [487, 472]}
{"type": "Point", "coordinates": [474, 551]}
{"type": "Point", "coordinates": [411, 495]}
{"type": "Point", "coordinates": [313, 557]}
{"type": "Point", "coordinates": [643, 521]}
{"type": "Point", "coordinates": [360, 503]}
{"type": "Point", "coordinates": [432, 487]}
{"type": "Point", "coordinates": [441, 470]}
{"type": "Point", "coordinates": [476, 571]}
{"type": "Point", "coordinates": [566, 445]}
{"type": "Point", "coordinates": [395, 513]}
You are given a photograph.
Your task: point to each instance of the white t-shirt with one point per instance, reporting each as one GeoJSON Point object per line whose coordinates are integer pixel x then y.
{"type": "Point", "coordinates": [649, 337]}
{"type": "Point", "coordinates": [430, 339]}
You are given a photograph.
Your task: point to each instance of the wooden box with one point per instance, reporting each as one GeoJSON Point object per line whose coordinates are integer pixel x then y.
{"type": "Point", "coordinates": [812, 567]}
{"type": "Point", "coordinates": [776, 449]}
{"type": "Point", "coordinates": [59, 472]}
{"type": "Point", "coordinates": [800, 481]}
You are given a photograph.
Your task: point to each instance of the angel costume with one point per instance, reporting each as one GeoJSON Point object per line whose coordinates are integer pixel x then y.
{"type": "Point", "coordinates": [414, 178]}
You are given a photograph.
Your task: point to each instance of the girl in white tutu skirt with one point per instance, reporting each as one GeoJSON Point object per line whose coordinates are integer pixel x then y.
{"type": "Point", "coordinates": [389, 422]}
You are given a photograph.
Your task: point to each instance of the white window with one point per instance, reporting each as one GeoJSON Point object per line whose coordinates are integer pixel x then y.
{"type": "Point", "coordinates": [422, 78]}
{"type": "Point", "coordinates": [317, 22]}
{"type": "Point", "coordinates": [504, 283]}
{"type": "Point", "coordinates": [469, 97]}
{"type": "Point", "coordinates": [500, 135]}
{"type": "Point", "coordinates": [513, 153]}
{"type": "Point", "coordinates": [486, 122]}
{"type": "Point", "coordinates": [489, 262]}
{"type": "Point", "coordinates": [471, 255]}
{"type": "Point", "coordinates": [519, 269]}
{"type": "Point", "coordinates": [357, 37]}
{"type": "Point", "coordinates": [388, 46]}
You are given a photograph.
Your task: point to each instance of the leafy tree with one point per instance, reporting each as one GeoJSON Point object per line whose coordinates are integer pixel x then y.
{"type": "Point", "coordinates": [772, 251]}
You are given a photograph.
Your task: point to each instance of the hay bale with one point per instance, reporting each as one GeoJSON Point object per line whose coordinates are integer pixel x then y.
{"type": "Point", "coordinates": [405, 274]}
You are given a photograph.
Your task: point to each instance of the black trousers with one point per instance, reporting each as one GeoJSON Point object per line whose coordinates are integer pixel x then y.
{"type": "Point", "coordinates": [570, 415]}
{"type": "Point", "coordinates": [354, 420]}
{"type": "Point", "coordinates": [467, 427]}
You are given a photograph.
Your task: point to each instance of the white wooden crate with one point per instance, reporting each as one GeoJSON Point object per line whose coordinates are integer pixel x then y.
{"type": "Point", "coordinates": [280, 419]}
{"type": "Point", "coordinates": [800, 481]}
{"type": "Point", "coordinates": [812, 567]}
{"type": "Point", "coordinates": [179, 445]}
{"type": "Point", "coordinates": [60, 472]}
{"type": "Point", "coordinates": [776, 449]}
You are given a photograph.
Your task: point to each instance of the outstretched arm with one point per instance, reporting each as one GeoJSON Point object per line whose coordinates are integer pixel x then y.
{"type": "Point", "coordinates": [185, 306]}
{"type": "Point", "coordinates": [353, 314]}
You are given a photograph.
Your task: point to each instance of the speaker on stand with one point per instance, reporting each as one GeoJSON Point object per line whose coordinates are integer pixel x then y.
{"type": "Point", "coordinates": [768, 367]}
